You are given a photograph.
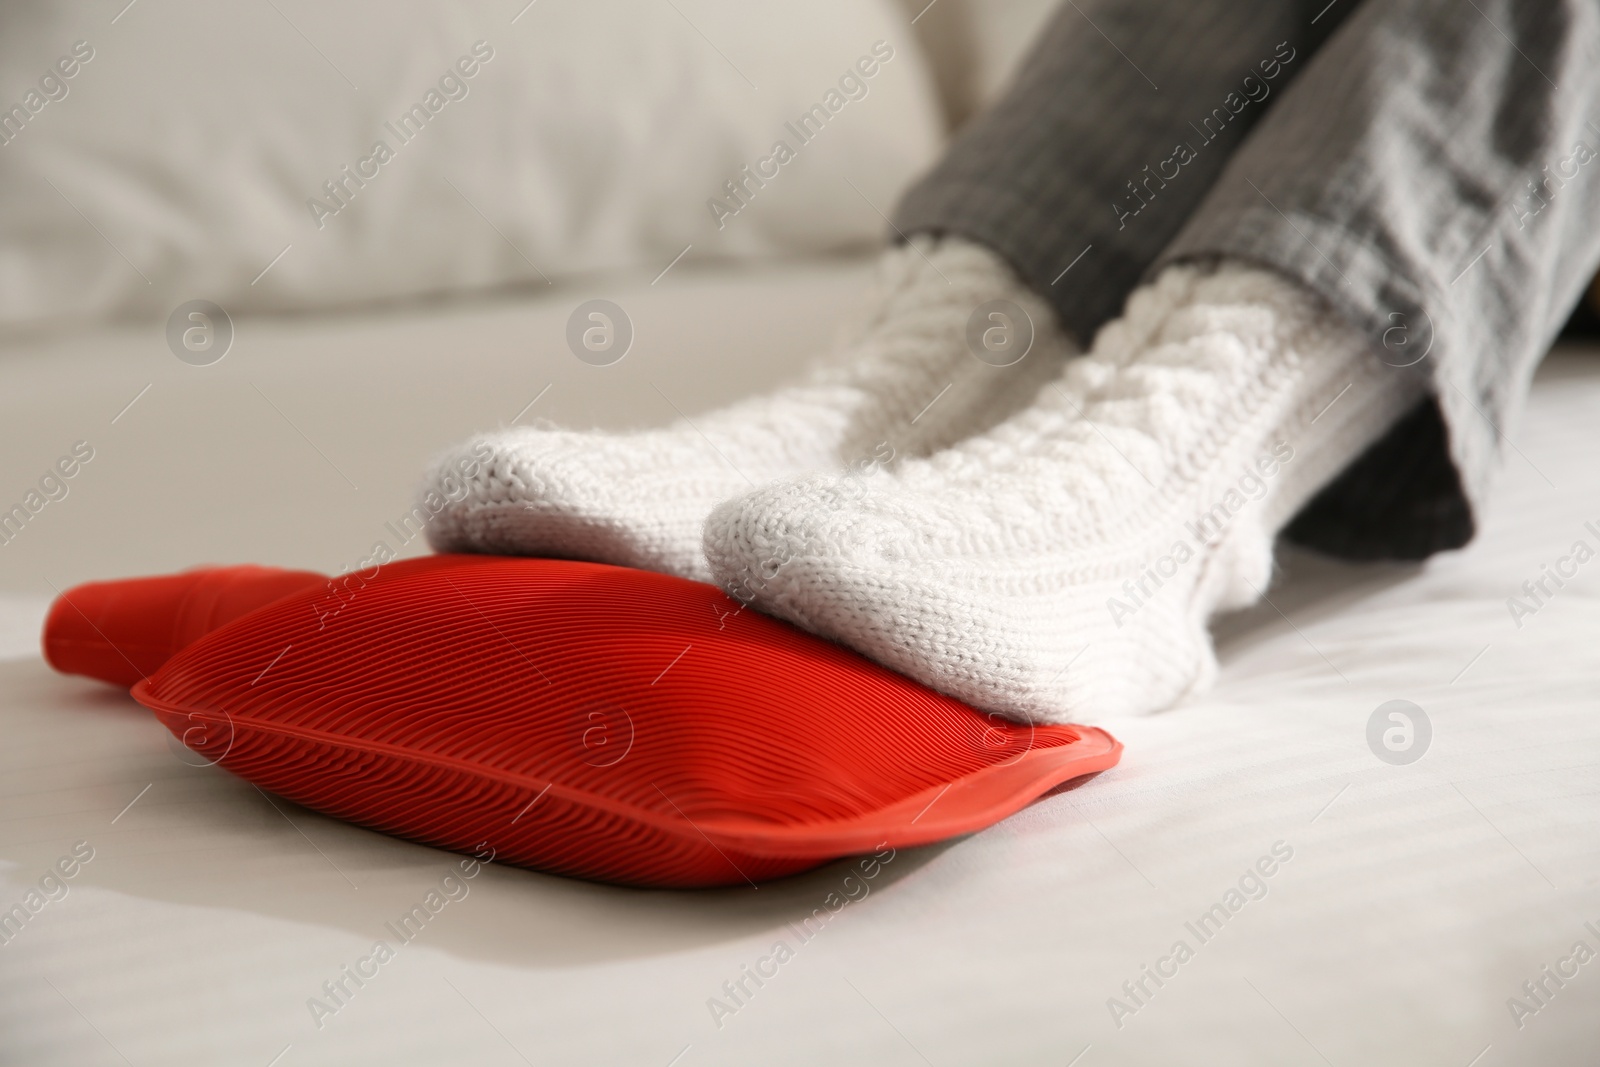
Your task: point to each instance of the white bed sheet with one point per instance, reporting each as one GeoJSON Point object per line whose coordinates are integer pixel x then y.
{"type": "Point", "coordinates": [1417, 901]}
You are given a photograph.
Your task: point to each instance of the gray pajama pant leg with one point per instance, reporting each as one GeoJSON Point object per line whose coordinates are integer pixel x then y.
{"type": "Point", "coordinates": [1434, 173]}
{"type": "Point", "coordinates": [1431, 170]}
{"type": "Point", "coordinates": [1069, 161]}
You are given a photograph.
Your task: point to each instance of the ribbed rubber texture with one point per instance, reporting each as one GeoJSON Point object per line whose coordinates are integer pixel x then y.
{"type": "Point", "coordinates": [596, 721]}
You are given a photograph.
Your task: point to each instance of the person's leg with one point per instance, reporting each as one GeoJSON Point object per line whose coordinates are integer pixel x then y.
{"type": "Point", "coordinates": [1065, 563]}
{"type": "Point", "coordinates": [1120, 119]}
{"type": "Point", "coordinates": [1435, 176]}
{"type": "Point", "coordinates": [1071, 157]}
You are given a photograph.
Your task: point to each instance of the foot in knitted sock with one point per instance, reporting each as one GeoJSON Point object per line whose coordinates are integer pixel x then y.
{"type": "Point", "coordinates": [905, 384]}
{"type": "Point", "coordinates": [1065, 563]}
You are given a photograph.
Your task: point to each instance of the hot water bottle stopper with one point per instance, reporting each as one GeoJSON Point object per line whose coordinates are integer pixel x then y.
{"type": "Point", "coordinates": [121, 632]}
{"type": "Point", "coordinates": [578, 718]}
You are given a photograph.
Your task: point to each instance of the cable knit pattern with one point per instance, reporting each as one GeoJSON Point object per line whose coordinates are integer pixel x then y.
{"type": "Point", "coordinates": [1065, 563]}
{"type": "Point", "coordinates": [902, 383]}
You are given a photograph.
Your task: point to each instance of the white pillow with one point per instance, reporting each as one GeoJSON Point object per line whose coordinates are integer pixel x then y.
{"type": "Point", "coordinates": [186, 155]}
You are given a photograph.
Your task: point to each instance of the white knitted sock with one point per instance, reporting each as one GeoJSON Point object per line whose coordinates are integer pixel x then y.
{"type": "Point", "coordinates": [1064, 564]}
{"type": "Point", "coordinates": [905, 384]}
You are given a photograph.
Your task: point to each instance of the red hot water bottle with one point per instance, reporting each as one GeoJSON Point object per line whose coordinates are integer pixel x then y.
{"type": "Point", "coordinates": [590, 720]}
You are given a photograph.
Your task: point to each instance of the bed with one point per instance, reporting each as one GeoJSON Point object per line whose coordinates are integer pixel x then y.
{"type": "Point", "coordinates": [1334, 907]}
